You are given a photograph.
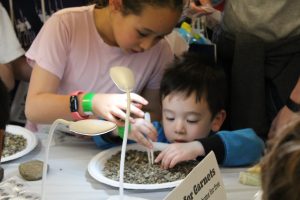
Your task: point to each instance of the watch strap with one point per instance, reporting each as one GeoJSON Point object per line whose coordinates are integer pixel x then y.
{"type": "Point", "coordinates": [292, 105]}
{"type": "Point", "coordinates": [74, 106]}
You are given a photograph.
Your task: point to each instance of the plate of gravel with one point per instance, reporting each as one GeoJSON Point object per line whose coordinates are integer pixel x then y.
{"type": "Point", "coordinates": [18, 142]}
{"type": "Point", "coordinates": [138, 174]}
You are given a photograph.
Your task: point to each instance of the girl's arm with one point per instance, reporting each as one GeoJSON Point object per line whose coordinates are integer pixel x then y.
{"type": "Point", "coordinates": [44, 105]}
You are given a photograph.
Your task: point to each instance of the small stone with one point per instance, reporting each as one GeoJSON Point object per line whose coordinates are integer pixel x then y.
{"type": "Point", "coordinates": [31, 170]}
{"type": "Point", "coordinates": [1, 173]}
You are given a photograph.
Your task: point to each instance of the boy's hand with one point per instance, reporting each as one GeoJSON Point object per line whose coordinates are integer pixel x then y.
{"type": "Point", "coordinates": [141, 130]}
{"type": "Point", "coordinates": [112, 107]}
{"type": "Point", "coordinates": [179, 152]}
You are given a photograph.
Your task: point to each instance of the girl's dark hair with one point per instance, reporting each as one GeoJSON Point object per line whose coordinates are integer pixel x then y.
{"type": "Point", "coordinates": [136, 6]}
{"type": "Point", "coordinates": [280, 167]}
{"type": "Point", "coordinates": [196, 73]}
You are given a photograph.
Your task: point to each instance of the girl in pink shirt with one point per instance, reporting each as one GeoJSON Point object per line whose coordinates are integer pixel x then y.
{"type": "Point", "coordinates": [76, 48]}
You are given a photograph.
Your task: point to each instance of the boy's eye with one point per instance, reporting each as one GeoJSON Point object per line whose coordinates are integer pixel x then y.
{"type": "Point", "coordinates": [170, 118]}
{"type": "Point", "coordinates": [192, 121]}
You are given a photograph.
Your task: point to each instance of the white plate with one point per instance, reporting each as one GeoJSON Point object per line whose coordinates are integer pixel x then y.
{"type": "Point", "coordinates": [97, 163]}
{"type": "Point", "coordinates": [28, 135]}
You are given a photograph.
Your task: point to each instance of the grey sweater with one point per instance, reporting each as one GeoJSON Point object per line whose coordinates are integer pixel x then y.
{"type": "Point", "coordinates": [267, 19]}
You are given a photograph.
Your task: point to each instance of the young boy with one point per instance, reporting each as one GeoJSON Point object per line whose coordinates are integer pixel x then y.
{"type": "Point", "coordinates": [193, 94]}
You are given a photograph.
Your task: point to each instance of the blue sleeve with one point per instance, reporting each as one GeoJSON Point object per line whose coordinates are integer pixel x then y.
{"type": "Point", "coordinates": [101, 143]}
{"type": "Point", "coordinates": [106, 141]}
{"type": "Point", "coordinates": [242, 147]}
{"type": "Point", "coordinates": [161, 137]}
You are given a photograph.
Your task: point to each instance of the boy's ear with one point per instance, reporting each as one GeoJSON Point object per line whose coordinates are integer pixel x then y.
{"type": "Point", "coordinates": [115, 4]}
{"type": "Point", "coordinates": [218, 121]}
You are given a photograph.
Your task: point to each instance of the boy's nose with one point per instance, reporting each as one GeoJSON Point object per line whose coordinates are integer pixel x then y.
{"type": "Point", "coordinates": [179, 128]}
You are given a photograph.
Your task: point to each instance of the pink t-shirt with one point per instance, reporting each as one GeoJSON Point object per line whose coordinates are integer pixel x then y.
{"type": "Point", "coordinates": [70, 47]}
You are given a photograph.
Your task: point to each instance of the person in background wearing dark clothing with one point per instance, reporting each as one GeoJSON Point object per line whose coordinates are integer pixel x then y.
{"type": "Point", "coordinates": [259, 47]}
{"type": "Point", "coordinates": [4, 118]}
{"type": "Point", "coordinates": [12, 62]}
{"type": "Point", "coordinates": [288, 113]}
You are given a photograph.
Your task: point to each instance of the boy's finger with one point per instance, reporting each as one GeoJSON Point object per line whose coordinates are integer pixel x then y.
{"type": "Point", "coordinates": [159, 157]}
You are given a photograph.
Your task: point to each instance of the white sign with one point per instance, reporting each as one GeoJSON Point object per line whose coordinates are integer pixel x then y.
{"type": "Point", "coordinates": [204, 182]}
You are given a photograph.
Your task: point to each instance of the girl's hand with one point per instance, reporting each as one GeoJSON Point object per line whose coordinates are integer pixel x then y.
{"type": "Point", "coordinates": [112, 107]}
{"type": "Point", "coordinates": [141, 130]}
{"type": "Point", "coordinates": [179, 152]}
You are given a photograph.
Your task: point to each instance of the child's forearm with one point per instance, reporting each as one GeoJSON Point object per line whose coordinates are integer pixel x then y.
{"type": "Point", "coordinates": [45, 108]}
{"type": "Point", "coordinates": [198, 148]}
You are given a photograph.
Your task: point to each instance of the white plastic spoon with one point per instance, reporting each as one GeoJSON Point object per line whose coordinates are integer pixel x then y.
{"type": "Point", "coordinates": [123, 77]}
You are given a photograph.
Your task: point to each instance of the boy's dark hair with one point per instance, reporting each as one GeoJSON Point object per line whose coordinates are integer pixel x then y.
{"type": "Point", "coordinates": [195, 73]}
{"type": "Point", "coordinates": [136, 6]}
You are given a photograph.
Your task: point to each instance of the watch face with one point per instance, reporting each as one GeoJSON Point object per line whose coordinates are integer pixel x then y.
{"type": "Point", "coordinates": [73, 103]}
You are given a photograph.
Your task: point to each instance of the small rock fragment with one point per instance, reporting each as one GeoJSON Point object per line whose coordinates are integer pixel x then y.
{"type": "Point", "coordinates": [31, 170]}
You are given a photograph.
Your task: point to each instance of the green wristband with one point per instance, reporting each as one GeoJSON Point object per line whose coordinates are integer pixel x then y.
{"type": "Point", "coordinates": [87, 104]}
{"type": "Point", "coordinates": [121, 130]}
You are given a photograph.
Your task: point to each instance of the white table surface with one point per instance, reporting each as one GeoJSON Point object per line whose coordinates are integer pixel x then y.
{"type": "Point", "coordinates": [68, 177]}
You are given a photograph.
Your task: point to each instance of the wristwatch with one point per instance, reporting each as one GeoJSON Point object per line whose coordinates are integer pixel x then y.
{"type": "Point", "coordinates": [292, 105]}
{"type": "Point", "coordinates": [74, 106]}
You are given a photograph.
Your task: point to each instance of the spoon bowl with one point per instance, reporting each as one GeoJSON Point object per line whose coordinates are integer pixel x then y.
{"type": "Point", "coordinates": [123, 77]}
{"type": "Point", "coordinates": [91, 127]}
